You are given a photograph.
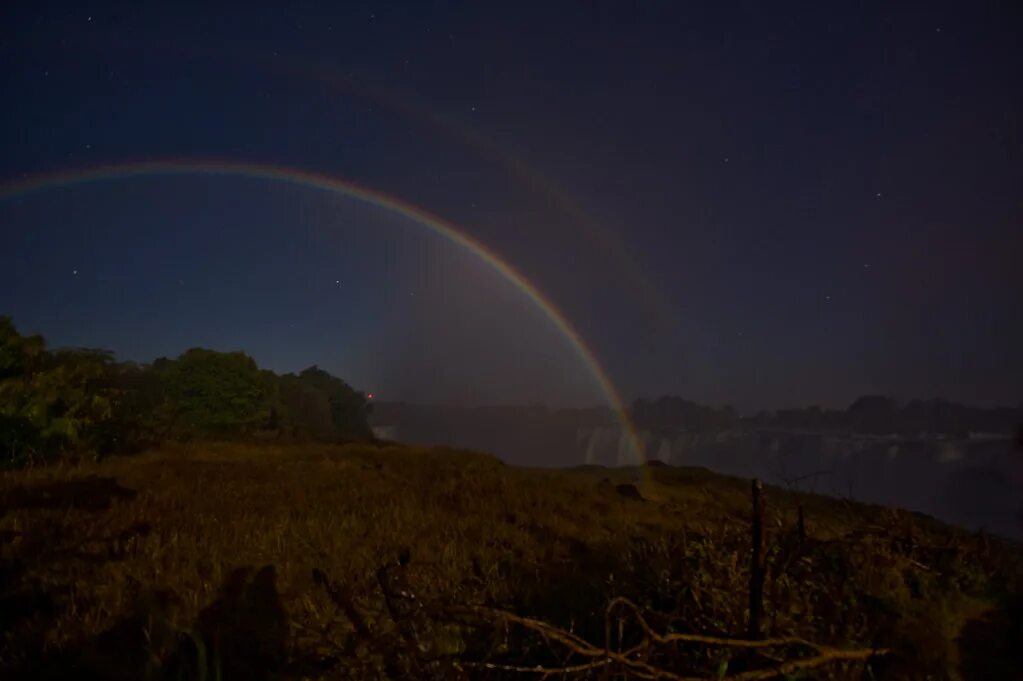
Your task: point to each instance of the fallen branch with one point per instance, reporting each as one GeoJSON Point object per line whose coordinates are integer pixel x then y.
{"type": "Point", "coordinates": [605, 657]}
{"type": "Point", "coordinates": [633, 661]}
{"type": "Point", "coordinates": [664, 639]}
{"type": "Point", "coordinates": [830, 655]}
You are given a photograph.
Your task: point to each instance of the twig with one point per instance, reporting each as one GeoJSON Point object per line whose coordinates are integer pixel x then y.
{"type": "Point", "coordinates": [829, 655]}
{"type": "Point", "coordinates": [564, 637]}
{"type": "Point", "coordinates": [344, 602]}
{"type": "Point", "coordinates": [536, 669]}
{"type": "Point", "coordinates": [665, 639]}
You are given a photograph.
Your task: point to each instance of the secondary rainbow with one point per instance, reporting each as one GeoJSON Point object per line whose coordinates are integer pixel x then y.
{"type": "Point", "coordinates": [327, 183]}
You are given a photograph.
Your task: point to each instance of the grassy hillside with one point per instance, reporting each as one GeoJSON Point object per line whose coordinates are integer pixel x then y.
{"type": "Point", "coordinates": [389, 562]}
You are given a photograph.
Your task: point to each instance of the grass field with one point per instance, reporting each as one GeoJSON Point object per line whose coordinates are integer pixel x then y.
{"type": "Point", "coordinates": [260, 562]}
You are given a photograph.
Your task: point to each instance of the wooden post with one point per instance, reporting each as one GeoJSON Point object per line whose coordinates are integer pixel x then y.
{"type": "Point", "coordinates": [757, 567]}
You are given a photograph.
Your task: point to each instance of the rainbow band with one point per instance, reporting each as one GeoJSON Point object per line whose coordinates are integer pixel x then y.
{"type": "Point", "coordinates": [334, 185]}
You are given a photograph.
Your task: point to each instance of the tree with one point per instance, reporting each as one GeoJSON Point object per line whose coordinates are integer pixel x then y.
{"type": "Point", "coordinates": [219, 394]}
{"type": "Point", "coordinates": [72, 396]}
{"type": "Point", "coordinates": [19, 354]}
{"type": "Point", "coordinates": [81, 400]}
{"type": "Point", "coordinates": [308, 408]}
{"type": "Point", "coordinates": [348, 408]}
{"type": "Point", "coordinates": [50, 401]}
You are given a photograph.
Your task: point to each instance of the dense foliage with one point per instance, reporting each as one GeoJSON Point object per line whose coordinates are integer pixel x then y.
{"type": "Point", "coordinates": [55, 402]}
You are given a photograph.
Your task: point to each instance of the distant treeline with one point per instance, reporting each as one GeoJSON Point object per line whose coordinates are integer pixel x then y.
{"type": "Point", "coordinates": [411, 414]}
{"type": "Point", "coordinates": [870, 414]}
{"type": "Point", "coordinates": [82, 401]}
{"type": "Point", "coordinates": [670, 412]}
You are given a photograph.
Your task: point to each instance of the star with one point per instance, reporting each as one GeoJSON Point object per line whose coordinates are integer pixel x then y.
{"type": "Point", "coordinates": [866, 265]}
{"type": "Point", "coordinates": [878, 195]}
{"type": "Point", "coordinates": [827, 297]}
{"type": "Point", "coordinates": [74, 272]}
{"type": "Point", "coordinates": [337, 281]}
{"type": "Point", "coordinates": [726, 159]}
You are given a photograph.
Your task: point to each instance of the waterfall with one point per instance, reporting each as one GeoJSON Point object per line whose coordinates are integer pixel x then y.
{"type": "Point", "coordinates": [625, 455]}
{"type": "Point", "coordinates": [591, 447]}
{"type": "Point", "coordinates": [679, 447]}
{"type": "Point", "coordinates": [664, 452]}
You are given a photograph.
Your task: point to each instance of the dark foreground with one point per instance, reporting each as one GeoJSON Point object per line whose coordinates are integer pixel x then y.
{"type": "Point", "coordinates": [228, 562]}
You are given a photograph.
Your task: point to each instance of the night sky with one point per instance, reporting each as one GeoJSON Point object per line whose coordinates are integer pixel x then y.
{"type": "Point", "coordinates": [763, 204]}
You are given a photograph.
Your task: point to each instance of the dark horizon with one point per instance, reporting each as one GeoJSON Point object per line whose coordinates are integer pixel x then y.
{"type": "Point", "coordinates": [594, 405]}
{"type": "Point", "coordinates": [751, 414]}
{"type": "Point", "coordinates": [1010, 430]}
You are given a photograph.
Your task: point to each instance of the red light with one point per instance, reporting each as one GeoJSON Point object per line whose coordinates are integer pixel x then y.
{"type": "Point", "coordinates": [370, 396]}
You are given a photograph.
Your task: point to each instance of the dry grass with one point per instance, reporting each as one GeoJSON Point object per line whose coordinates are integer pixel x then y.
{"type": "Point", "coordinates": [199, 562]}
